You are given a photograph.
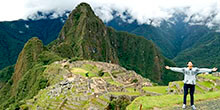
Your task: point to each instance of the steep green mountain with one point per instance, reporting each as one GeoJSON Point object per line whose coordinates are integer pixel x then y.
{"type": "Point", "coordinates": [28, 77]}
{"type": "Point", "coordinates": [14, 34]}
{"type": "Point", "coordinates": [204, 52]}
{"type": "Point", "coordinates": [84, 36]}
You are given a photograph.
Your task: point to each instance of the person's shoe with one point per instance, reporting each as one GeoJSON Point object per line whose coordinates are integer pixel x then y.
{"type": "Point", "coordinates": [193, 107]}
{"type": "Point", "coordinates": [184, 106]}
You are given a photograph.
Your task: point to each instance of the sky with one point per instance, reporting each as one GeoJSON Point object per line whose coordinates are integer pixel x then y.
{"type": "Point", "coordinates": [141, 10]}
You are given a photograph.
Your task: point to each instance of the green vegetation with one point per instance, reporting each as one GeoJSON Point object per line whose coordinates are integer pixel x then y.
{"type": "Point", "coordinates": [28, 77]}
{"type": "Point", "coordinates": [6, 73]}
{"type": "Point", "coordinates": [180, 41]}
{"type": "Point", "coordinates": [156, 89]}
{"type": "Point", "coordinates": [83, 72]}
{"type": "Point", "coordinates": [207, 84]}
{"type": "Point", "coordinates": [125, 93]}
{"type": "Point", "coordinates": [53, 73]}
{"type": "Point", "coordinates": [149, 102]}
{"type": "Point", "coordinates": [119, 104]}
{"type": "Point", "coordinates": [115, 83]}
{"type": "Point", "coordinates": [208, 46]}
{"type": "Point", "coordinates": [14, 34]}
{"type": "Point", "coordinates": [209, 76]}
{"type": "Point", "coordinates": [84, 36]}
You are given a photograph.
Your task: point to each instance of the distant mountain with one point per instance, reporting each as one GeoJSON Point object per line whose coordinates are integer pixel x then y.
{"type": "Point", "coordinates": [205, 51]}
{"type": "Point", "coordinates": [172, 36]}
{"type": "Point", "coordinates": [177, 39]}
{"type": "Point", "coordinates": [14, 34]}
{"type": "Point", "coordinates": [83, 37]}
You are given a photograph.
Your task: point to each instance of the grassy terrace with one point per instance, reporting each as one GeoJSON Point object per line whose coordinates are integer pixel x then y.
{"type": "Point", "coordinates": [209, 76]}
{"type": "Point", "coordinates": [156, 89]}
{"type": "Point", "coordinates": [207, 84]}
{"type": "Point", "coordinates": [149, 102]}
{"type": "Point", "coordinates": [125, 93]}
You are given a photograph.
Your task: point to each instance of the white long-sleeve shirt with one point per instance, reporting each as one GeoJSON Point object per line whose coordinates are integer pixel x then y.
{"type": "Point", "coordinates": [190, 74]}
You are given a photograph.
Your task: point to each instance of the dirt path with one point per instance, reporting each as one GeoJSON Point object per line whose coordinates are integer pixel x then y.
{"type": "Point", "coordinates": [202, 105]}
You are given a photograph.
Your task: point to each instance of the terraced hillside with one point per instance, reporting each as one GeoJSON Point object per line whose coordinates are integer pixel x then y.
{"type": "Point", "coordinates": [78, 85]}
{"type": "Point", "coordinates": [86, 85]}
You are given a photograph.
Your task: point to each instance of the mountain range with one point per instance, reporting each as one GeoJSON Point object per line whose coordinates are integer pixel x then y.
{"type": "Point", "coordinates": [177, 39]}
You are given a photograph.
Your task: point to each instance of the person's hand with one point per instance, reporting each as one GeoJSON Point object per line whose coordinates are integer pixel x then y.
{"type": "Point", "coordinates": [214, 69]}
{"type": "Point", "coordinates": [167, 67]}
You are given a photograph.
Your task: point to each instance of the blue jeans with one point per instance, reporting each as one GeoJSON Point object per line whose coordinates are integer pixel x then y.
{"type": "Point", "coordinates": [186, 88]}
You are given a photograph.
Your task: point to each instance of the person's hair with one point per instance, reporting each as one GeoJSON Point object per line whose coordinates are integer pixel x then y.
{"type": "Point", "coordinates": [189, 61]}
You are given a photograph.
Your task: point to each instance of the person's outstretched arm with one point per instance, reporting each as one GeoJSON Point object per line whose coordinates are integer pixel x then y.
{"type": "Point", "coordinates": [204, 70]}
{"type": "Point", "coordinates": [176, 69]}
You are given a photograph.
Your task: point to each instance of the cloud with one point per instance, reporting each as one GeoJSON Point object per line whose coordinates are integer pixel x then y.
{"type": "Point", "coordinates": [12, 9]}
{"type": "Point", "coordinates": [144, 11]}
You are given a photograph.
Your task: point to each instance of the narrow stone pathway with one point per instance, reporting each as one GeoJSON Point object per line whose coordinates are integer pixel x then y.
{"type": "Point", "coordinates": [202, 105]}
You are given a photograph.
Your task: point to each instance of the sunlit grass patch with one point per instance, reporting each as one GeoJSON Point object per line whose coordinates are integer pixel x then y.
{"type": "Point", "coordinates": [207, 84]}
{"type": "Point", "coordinates": [156, 89]}
{"type": "Point", "coordinates": [125, 93]}
{"type": "Point", "coordinates": [149, 102]}
{"type": "Point", "coordinates": [209, 76]}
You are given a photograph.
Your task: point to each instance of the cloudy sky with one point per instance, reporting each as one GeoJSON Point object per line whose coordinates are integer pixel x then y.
{"type": "Point", "coordinates": [142, 10]}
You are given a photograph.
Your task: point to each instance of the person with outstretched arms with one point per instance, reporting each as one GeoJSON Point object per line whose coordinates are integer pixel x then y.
{"type": "Point", "coordinates": [190, 73]}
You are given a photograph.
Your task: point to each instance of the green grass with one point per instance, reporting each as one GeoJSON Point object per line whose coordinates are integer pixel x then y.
{"type": "Point", "coordinates": [200, 90]}
{"type": "Point", "coordinates": [125, 93]}
{"type": "Point", "coordinates": [110, 81]}
{"type": "Point", "coordinates": [218, 87]}
{"type": "Point", "coordinates": [157, 89]}
{"type": "Point", "coordinates": [115, 83]}
{"type": "Point", "coordinates": [103, 98]}
{"type": "Point", "coordinates": [209, 76]}
{"type": "Point", "coordinates": [130, 89]}
{"type": "Point", "coordinates": [92, 69]}
{"type": "Point", "coordinates": [88, 67]}
{"type": "Point", "coordinates": [83, 72]}
{"type": "Point", "coordinates": [53, 73]}
{"type": "Point", "coordinates": [149, 102]}
{"type": "Point", "coordinates": [207, 84]}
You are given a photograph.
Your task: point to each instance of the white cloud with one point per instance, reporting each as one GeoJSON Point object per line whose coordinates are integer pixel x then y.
{"type": "Point", "coordinates": [12, 9]}
{"type": "Point", "coordinates": [142, 10]}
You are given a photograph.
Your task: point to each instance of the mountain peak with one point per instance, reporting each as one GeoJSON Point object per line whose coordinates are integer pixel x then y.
{"type": "Point", "coordinates": [28, 55]}
{"type": "Point", "coordinates": [84, 35]}
{"type": "Point", "coordinates": [80, 19]}
{"type": "Point", "coordinates": [84, 7]}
